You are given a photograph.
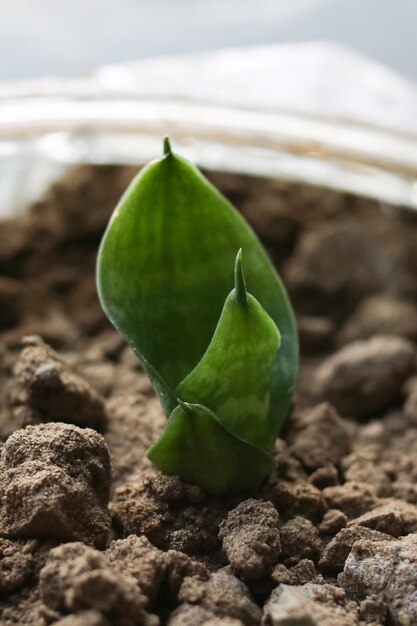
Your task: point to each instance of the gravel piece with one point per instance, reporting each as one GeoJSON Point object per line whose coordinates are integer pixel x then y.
{"type": "Point", "coordinates": [250, 538]}
{"type": "Point", "coordinates": [366, 376]}
{"type": "Point", "coordinates": [113, 595]}
{"type": "Point", "coordinates": [135, 512]}
{"type": "Point", "coordinates": [308, 605]}
{"type": "Point", "coordinates": [287, 466]}
{"type": "Point", "coordinates": [294, 498]}
{"type": "Point", "coordinates": [303, 572]}
{"type": "Point", "coordinates": [137, 557]}
{"type": "Point", "coordinates": [78, 578]}
{"type": "Point", "coordinates": [189, 615]}
{"type": "Point", "coordinates": [381, 314]}
{"type": "Point", "coordinates": [364, 466]}
{"type": "Point", "coordinates": [406, 491]}
{"type": "Point", "coordinates": [373, 609]}
{"type": "Point", "coordinates": [338, 263]}
{"type": "Point", "coordinates": [323, 477]}
{"type": "Point", "coordinates": [84, 618]}
{"type": "Point", "coordinates": [54, 483]}
{"type": "Point", "coordinates": [394, 517]}
{"type": "Point", "coordinates": [333, 521]}
{"type": "Point", "coordinates": [50, 387]}
{"type": "Point", "coordinates": [388, 570]}
{"type": "Point", "coordinates": [320, 437]}
{"type": "Point", "coordinates": [299, 540]}
{"type": "Point", "coordinates": [222, 594]}
{"type": "Point", "coordinates": [173, 489]}
{"type": "Point", "coordinates": [352, 498]}
{"type": "Point", "coordinates": [17, 564]}
{"type": "Point", "coordinates": [338, 549]}
{"type": "Point", "coordinates": [176, 525]}
{"type": "Point", "coordinates": [65, 563]}
{"type": "Point", "coordinates": [151, 567]}
{"type": "Point", "coordinates": [181, 566]}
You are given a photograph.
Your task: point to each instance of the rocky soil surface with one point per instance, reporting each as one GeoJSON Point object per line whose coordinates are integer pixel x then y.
{"type": "Point", "coordinates": [92, 535]}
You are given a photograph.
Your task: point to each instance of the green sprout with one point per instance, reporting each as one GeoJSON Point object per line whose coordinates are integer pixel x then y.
{"type": "Point", "coordinates": [222, 358]}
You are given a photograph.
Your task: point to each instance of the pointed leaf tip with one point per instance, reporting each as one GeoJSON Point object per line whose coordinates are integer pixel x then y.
{"type": "Point", "coordinates": [167, 146]}
{"type": "Point", "coordinates": [240, 285]}
{"type": "Point", "coordinates": [185, 406]}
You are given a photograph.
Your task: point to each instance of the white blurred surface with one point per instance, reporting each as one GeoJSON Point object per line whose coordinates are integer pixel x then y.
{"type": "Point", "coordinates": [311, 112]}
{"type": "Point", "coordinates": [44, 37]}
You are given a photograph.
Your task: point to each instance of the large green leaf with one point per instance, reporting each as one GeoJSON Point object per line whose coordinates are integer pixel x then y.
{"type": "Point", "coordinates": [164, 270]}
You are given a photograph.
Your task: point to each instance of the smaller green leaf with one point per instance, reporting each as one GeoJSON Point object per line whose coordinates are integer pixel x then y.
{"type": "Point", "coordinates": [233, 378]}
{"type": "Point", "coordinates": [195, 446]}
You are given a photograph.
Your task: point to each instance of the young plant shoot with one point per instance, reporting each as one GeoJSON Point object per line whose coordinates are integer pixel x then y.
{"type": "Point", "coordinates": [185, 280]}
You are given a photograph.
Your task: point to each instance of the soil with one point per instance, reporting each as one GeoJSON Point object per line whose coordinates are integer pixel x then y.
{"type": "Point", "coordinates": [92, 535]}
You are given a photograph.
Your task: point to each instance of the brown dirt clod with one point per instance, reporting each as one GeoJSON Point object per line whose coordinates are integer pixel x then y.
{"type": "Point", "coordinates": [78, 578]}
{"type": "Point", "coordinates": [309, 605]}
{"type": "Point", "coordinates": [319, 437]}
{"type": "Point", "coordinates": [386, 570]}
{"type": "Point", "coordinates": [338, 549]}
{"type": "Point", "coordinates": [366, 376]}
{"type": "Point", "coordinates": [54, 483]}
{"type": "Point", "coordinates": [50, 387]}
{"type": "Point", "coordinates": [381, 314]}
{"type": "Point", "coordinates": [251, 538]}
{"type": "Point", "coordinates": [222, 594]}
{"type": "Point", "coordinates": [299, 540]}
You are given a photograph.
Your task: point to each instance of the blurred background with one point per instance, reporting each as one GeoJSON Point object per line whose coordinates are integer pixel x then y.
{"type": "Point", "coordinates": [60, 37]}
{"type": "Point", "coordinates": [318, 91]}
